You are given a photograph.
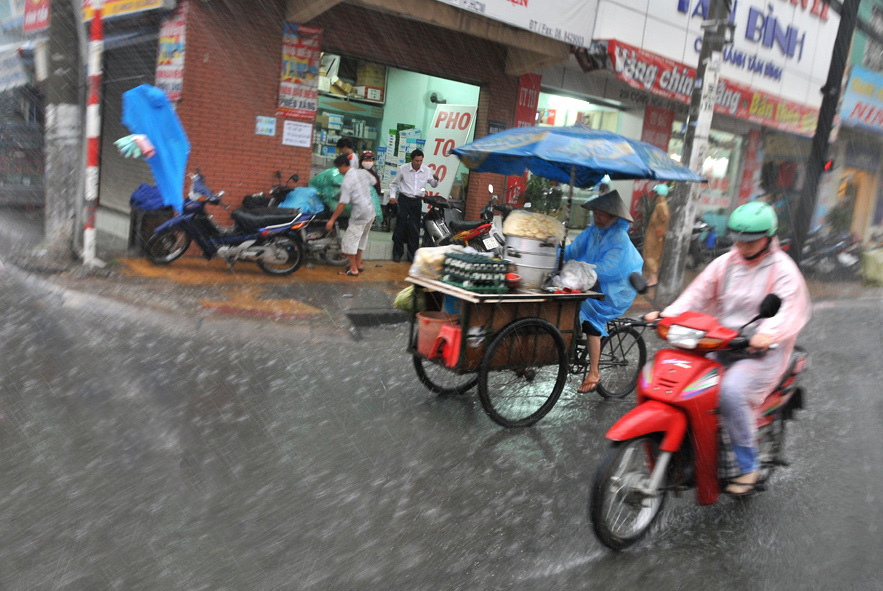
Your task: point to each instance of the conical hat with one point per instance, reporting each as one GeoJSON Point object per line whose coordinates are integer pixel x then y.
{"type": "Point", "coordinates": [610, 203]}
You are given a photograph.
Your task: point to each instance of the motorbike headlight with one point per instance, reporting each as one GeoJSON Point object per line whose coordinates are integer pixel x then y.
{"type": "Point", "coordinates": [686, 338]}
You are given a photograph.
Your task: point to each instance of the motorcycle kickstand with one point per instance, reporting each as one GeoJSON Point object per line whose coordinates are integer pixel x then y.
{"type": "Point", "coordinates": [230, 263]}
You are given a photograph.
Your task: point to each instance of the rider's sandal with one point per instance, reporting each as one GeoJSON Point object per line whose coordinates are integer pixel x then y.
{"type": "Point", "coordinates": [583, 389]}
{"type": "Point", "coordinates": [742, 489]}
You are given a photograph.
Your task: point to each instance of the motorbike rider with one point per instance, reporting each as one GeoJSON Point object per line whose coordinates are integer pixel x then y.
{"type": "Point", "coordinates": [606, 245]}
{"type": "Point", "coordinates": [731, 288]}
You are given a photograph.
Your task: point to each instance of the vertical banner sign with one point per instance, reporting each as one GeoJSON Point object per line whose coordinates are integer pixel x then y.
{"type": "Point", "coordinates": [751, 168]}
{"type": "Point", "coordinates": [170, 60]}
{"type": "Point", "coordinates": [656, 132]}
{"type": "Point", "coordinates": [36, 15]}
{"type": "Point", "coordinates": [525, 116]}
{"type": "Point", "coordinates": [299, 83]}
{"type": "Point", "coordinates": [450, 128]}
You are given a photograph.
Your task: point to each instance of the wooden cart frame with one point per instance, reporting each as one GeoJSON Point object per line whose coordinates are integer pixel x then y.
{"type": "Point", "coordinates": [522, 332]}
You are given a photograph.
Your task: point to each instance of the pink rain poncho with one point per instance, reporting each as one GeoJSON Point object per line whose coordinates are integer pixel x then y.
{"type": "Point", "coordinates": [731, 288]}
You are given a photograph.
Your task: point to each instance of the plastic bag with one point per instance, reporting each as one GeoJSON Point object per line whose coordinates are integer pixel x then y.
{"type": "Point", "coordinates": [576, 275]}
{"type": "Point", "coordinates": [306, 199]}
{"type": "Point", "coordinates": [327, 183]}
{"type": "Point", "coordinates": [147, 197]}
{"type": "Point", "coordinates": [429, 262]}
{"type": "Point", "coordinates": [533, 225]}
{"type": "Point", "coordinates": [404, 301]}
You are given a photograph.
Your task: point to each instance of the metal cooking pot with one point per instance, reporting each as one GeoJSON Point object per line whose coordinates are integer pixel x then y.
{"type": "Point", "coordinates": [535, 259]}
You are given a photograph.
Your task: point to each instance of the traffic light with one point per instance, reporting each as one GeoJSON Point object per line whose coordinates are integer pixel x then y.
{"type": "Point", "coordinates": [828, 166]}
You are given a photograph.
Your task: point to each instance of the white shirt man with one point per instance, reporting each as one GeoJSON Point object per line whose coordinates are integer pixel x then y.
{"type": "Point", "coordinates": [356, 189]}
{"type": "Point", "coordinates": [411, 178]}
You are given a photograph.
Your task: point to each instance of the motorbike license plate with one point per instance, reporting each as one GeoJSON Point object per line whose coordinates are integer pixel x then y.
{"type": "Point", "coordinates": [847, 259]}
{"type": "Point", "coordinates": [490, 243]}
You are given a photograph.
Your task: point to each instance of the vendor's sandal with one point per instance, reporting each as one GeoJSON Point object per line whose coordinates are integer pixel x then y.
{"type": "Point", "coordinates": [348, 272]}
{"type": "Point", "coordinates": [588, 386]}
{"type": "Point", "coordinates": [743, 486]}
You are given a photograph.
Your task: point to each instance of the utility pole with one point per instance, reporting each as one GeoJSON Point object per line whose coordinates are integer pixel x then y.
{"type": "Point", "coordinates": [63, 135]}
{"type": "Point", "coordinates": [806, 206]}
{"type": "Point", "coordinates": [686, 195]}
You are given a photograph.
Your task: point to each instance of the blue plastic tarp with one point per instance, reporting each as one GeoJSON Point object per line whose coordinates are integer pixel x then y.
{"type": "Point", "coordinates": [147, 110]}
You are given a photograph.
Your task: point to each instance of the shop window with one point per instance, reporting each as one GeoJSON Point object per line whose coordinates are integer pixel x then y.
{"type": "Point", "coordinates": [560, 111]}
{"type": "Point", "coordinates": [387, 111]}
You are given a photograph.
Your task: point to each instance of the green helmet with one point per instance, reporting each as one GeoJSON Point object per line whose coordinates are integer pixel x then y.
{"type": "Point", "coordinates": [752, 221]}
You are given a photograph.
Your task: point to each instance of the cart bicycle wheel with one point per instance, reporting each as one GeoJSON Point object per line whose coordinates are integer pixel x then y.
{"type": "Point", "coordinates": [522, 372]}
{"type": "Point", "coordinates": [442, 380]}
{"type": "Point", "coordinates": [623, 354]}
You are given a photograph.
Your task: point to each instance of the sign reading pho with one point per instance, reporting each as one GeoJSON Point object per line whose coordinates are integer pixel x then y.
{"type": "Point", "coordinates": [451, 127]}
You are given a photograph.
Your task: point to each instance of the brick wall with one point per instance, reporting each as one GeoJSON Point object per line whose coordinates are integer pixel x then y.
{"type": "Point", "coordinates": [232, 76]}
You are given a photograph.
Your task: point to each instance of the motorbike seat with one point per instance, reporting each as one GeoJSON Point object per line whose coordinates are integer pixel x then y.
{"type": "Point", "coordinates": [458, 226]}
{"type": "Point", "coordinates": [252, 220]}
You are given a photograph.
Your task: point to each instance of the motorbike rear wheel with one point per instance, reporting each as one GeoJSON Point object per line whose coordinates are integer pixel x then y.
{"type": "Point", "coordinates": [771, 447]}
{"type": "Point", "coordinates": [166, 246]}
{"type": "Point", "coordinates": [620, 509]}
{"type": "Point", "coordinates": [294, 250]}
{"type": "Point", "coordinates": [335, 257]}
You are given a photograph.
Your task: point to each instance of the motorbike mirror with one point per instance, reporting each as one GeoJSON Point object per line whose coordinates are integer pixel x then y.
{"type": "Point", "coordinates": [490, 189]}
{"type": "Point", "coordinates": [770, 305]}
{"type": "Point", "coordinates": [638, 282]}
{"type": "Point", "coordinates": [279, 175]}
{"type": "Point", "coordinates": [527, 205]}
{"type": "Point", "coordinates": [294, 178]}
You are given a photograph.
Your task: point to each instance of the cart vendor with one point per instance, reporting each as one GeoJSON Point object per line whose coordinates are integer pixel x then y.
{"type": "Point", "coordinates": [606, 245]}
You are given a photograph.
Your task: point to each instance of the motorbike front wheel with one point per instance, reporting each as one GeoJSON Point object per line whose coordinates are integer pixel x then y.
{"type": "Point", "coordinates": [291, 256]}
{"type": "Point", "coordinates": [620, 508]}
{"type": "Point", "coordinates": [166, 246]}
{"type": "Point", "coordinates": [335, 257]}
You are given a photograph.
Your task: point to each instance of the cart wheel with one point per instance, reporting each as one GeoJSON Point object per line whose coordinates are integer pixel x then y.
{"type": "Point", "coordinates": [623, 354]}
{"type": "Point", "coordinates": [442, 380]}
{"type": "Point", "coordinates": [522, 373]}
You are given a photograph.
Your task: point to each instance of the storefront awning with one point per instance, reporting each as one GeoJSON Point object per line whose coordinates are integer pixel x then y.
{"type": "Point", "coordinates": [661, 76]}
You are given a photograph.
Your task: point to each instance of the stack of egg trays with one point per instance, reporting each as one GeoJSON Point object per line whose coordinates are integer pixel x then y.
{"type": "Point", "coordinates": [474, 272]}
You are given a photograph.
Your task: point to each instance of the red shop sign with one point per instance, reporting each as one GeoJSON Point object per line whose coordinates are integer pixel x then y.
{"type": "Point", "coordinates": [655, 74]}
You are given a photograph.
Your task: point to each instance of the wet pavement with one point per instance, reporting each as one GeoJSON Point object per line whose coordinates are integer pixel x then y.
{"type": "Point", "coordinates": [156, 443]}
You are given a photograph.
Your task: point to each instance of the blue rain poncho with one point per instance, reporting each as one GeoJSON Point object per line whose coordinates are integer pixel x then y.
{"type": "Point", "coordinates": [147, 111]}
{"type": "Point", "coordinates": [615, 258]}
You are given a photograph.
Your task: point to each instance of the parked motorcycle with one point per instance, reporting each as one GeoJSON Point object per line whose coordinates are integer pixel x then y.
{"type": "Point", "coordinates": [318, 242]}
{"type": "Point", "coordinates": [485, 235]}
{"type": "Point", "coordinates": [705, 244]}
{"type": "Point", "coordinates": [437, 219]}
{"type": "Point", "coordinates": [267, 236]}
{"type": "Point", "coordinates": [832, 255]}
{"type": "Point", "coordinates": [669, 441]}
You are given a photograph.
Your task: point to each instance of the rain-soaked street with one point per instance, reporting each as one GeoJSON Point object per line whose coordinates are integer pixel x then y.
{"type": "Point", "coordinates": [144, 452]}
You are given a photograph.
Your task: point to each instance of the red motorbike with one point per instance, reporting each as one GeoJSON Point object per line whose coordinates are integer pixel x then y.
{"type": "Point", "coordinates": [670, 441]}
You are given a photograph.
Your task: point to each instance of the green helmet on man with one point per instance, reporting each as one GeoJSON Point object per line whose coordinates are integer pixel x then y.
{"type": "Point", "coordinates": [752, 221]}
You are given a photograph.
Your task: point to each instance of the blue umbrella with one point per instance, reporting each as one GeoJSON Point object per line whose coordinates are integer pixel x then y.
{"type": "Point", "coordinates": [147, 111]}
{"type": "Point", "coordinates": [576, 155]}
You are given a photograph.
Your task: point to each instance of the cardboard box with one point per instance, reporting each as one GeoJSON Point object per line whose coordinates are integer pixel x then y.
{"type": "Point", "coordinates": [322, 121]}
{"type": "Point", "coordinates": [371, 93]}
{"type": "Point", "coordinates": [335, 121]}
{"type": "Point", "coordinates": [369, 74]}
{"type": "Point", "coordinates": [324, 84]}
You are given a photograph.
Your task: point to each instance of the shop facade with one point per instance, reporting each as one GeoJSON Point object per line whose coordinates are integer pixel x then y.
{"type": "Point", "coordinates": [381, 76]}
{"type": "Point", "coordinates": [643, 62]}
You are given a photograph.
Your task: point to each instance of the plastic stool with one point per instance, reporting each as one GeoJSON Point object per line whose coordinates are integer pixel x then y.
{"type": "Point", "coordinates": [447, 344]}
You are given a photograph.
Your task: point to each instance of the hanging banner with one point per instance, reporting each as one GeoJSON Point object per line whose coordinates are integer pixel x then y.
{"type": "Point", "coordinates": [36, 16]}
{"type": "Point", "coordinates": [657, 132]}
{"type": "Point", "coordinates": [863, 100]}
{"type": "Point", "coordinates": [525, 116]}
{"type": "Point", "coordinates": [450, 128]}
{"type": "Point", "coordinates": [170, 58]}
{"type": "Point", "coordinates": [753, 162]}
{"type": "Point", "coordinates": [299, 82]}
{"type": "Point", "coordinates": [661, 76]}
{"type": "Point", "coordinates": [112, 8]}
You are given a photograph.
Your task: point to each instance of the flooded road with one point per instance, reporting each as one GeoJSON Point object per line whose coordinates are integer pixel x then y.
{"type": "Point", "coordinates": [140, 456]}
